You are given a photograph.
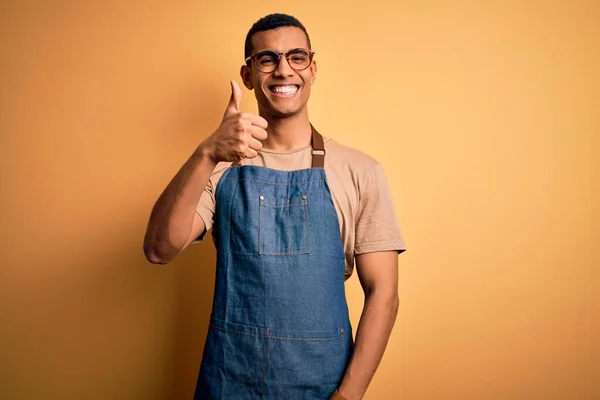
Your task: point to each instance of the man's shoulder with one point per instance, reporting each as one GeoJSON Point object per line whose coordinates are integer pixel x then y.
{"type": "Point", "coordinates": [338, 154]}
{"type": "Point", "coordinates": [218, 172]}
{"type": "Point", "coordinates": [221, 167]}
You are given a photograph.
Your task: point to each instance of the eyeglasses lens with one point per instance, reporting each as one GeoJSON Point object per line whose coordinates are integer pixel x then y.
{"type": "Point", "coordinates": [267, 61]}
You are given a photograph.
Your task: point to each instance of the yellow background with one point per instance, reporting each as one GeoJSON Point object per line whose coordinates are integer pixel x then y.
{"type": "Point", "coordinates": [483, 114]}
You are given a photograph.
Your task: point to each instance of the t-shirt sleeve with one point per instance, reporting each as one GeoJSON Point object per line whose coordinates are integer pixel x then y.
{"type": "Point", "coordinates": [206, 205]}
{"type": "Point", "coordinates": [377, 227]}
{"type": "Point", "coordinates": [206, 209]}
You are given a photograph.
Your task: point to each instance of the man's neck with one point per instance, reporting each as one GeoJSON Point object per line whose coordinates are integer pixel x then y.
{"type": "Point", "coordinates": [288, 133]}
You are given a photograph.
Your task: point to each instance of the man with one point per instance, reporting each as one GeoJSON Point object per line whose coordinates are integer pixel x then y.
{"type": "Point", "coordinates": [290, 212]}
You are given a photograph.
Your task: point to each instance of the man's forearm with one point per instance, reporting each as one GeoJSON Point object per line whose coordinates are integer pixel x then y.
{"type": "Point", "coordinates": [372, 335]}
{"type": "Point", "coordinates": [171, 219]}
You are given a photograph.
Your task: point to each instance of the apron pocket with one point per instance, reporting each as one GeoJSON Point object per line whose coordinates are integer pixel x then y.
{"type": "Point", "coordinates": [300, 367]}
{"type": "Point", "coordinates": [283, 229]}
{"type": "Point", "coordinates": [233, 362]}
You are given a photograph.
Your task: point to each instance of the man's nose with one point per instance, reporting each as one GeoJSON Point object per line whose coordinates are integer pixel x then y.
{"type": "Point", "coordinates": [284, 68]}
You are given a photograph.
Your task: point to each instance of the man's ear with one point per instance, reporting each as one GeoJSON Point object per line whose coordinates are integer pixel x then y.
{"type": "Point", "coordinates": [313, 68]}
{"type": "Point", "coordinates": [246, 75]}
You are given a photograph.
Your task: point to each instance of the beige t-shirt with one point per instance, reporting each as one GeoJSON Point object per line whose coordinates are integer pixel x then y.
{"type": "Point", "coordinates": [359, 189]}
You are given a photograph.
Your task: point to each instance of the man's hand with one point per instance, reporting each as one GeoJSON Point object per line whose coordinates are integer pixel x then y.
{"type": "Point", "coordinates": [239, 135]}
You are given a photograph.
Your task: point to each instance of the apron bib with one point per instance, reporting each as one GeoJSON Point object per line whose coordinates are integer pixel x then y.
{"type": "Point", "coordinates": [279, 327]}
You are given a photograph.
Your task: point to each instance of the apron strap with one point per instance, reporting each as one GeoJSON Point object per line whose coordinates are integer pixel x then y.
{"type": "Point", "coordinates": [318, 149]}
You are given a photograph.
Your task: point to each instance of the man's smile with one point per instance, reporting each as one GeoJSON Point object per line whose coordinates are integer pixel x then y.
{"type": "Point", "coordinates": [284, 90]}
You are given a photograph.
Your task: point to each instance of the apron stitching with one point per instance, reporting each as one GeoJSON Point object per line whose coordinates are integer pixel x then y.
{"type": "Point", "coordinates": [289, 205]}
{"type": "Point", "coordinates": [223, 177]}
{"type": "Point", "coordinates": [266, 362]}
{"type": "Point", "coordinates": [268, 335]}
{"type": "Point", "coordinates": [270, 183]}
{"type": "Point", "coordinates": [234, 331]}
{"type": "Point", "coordinates": [306, 229]}
{"type": "Point", "coordinates": [303, 338]}
{"type": "Point", "coordinates": [260, 249]}
{"type": "Point", "coordinates": [230, 214]}
{"type": "Point", "coordinates": [289, 222]}
{"type": "Point", "coordinates": [283, 253]}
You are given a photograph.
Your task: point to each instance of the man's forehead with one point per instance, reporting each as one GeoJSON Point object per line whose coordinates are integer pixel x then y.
{"type": "Point", "coordinates": [279, 39]}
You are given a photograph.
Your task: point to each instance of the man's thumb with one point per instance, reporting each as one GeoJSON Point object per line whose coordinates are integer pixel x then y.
{"type": "Point", "coordinates": [235, 100]}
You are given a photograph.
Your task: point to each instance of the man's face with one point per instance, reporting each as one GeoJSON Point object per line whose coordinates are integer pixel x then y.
{"type": "Point", "coordinates": [285, 91]}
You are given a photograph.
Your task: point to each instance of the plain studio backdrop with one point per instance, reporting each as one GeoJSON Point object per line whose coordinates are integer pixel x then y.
{"type": "Point", "coordinates": [484, 116]}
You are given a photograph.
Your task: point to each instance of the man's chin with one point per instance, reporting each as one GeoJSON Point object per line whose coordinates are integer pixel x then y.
{"type": "Point", "coordinates": [278, 112]}
{"type": "Point", "coordinates": [286, 113]}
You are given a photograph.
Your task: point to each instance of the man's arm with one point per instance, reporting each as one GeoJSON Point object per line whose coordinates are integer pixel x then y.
{"type": "Point", "coordinates": [173, 223]}
{"type": "Point", "coordinates": [378, 275]}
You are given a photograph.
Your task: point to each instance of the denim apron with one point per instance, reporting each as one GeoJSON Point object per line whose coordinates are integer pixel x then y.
{"type": "Point", "coordinates": [279, 327]}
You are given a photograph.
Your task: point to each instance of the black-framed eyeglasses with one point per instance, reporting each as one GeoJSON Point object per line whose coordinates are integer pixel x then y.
{"type": "Point", "coordinates": [268, 60]}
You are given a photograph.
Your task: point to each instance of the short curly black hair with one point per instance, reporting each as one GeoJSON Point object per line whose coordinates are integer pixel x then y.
{"type": "Point", "coordinates": [272, 21]}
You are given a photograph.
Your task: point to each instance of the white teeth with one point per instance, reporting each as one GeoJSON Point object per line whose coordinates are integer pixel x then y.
{"type": "Point", "coordinates": [285, 89]}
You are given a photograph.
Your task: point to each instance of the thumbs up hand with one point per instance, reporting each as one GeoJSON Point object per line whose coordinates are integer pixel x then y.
{"type": "Point", "coordinates": [239, 134]}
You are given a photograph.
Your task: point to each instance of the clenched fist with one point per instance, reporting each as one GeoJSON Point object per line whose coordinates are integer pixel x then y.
{"type": "Point", "coordinates": [239, 134]}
